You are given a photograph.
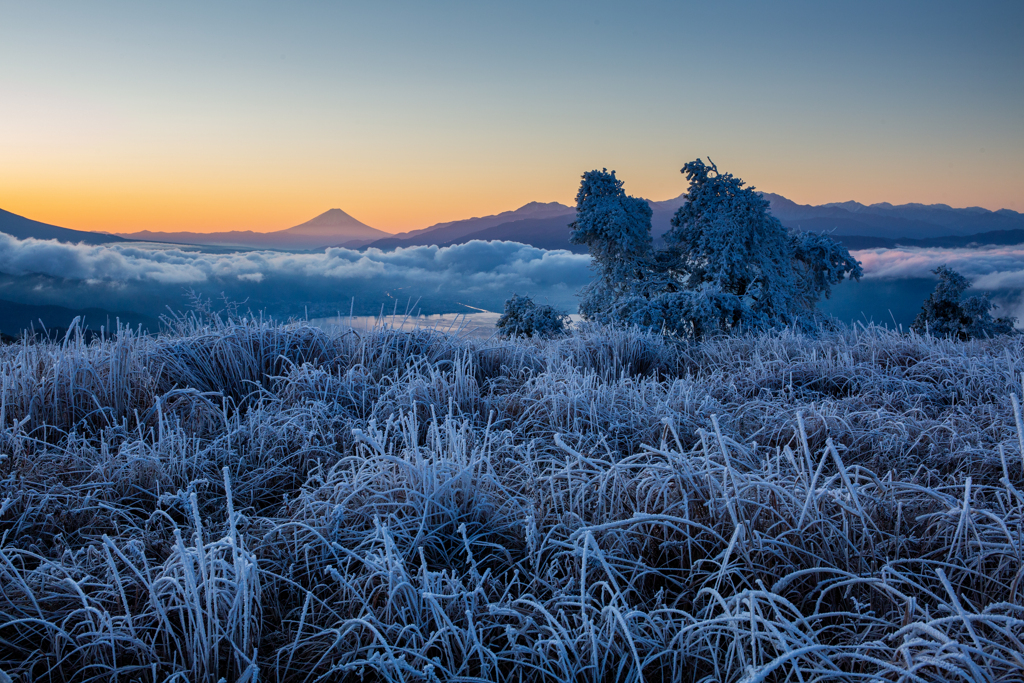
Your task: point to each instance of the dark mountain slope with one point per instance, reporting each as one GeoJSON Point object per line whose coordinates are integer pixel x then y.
{"type": "Point", "coordinates": [543, 233]}
{"type": "Point", "coordinates": [541, 225]}
{"type": "Point", "coordinates": [914, 221]}
{"type": "Point", "coordinates": [453, 232]}
{"type": "Point", "coordinates": [25, 228]}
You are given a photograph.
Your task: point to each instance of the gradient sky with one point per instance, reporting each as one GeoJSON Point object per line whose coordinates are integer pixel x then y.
{"type": "Point", "coordinates": [206, 116]}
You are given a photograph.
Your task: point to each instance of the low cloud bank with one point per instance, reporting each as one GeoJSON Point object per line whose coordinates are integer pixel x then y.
{"type": "Point", "coordinates": [478, 274]}
{"type": "Point", "coordinates": [148, 278]}
{"type": "Point", "coordinates": [989, 267]}
{"type": "Point", "coordinates": [997, 270]}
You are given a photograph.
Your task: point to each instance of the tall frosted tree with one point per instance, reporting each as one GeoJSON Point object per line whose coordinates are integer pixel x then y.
{"type": "Point", "coordinates": [617, 230]}
{"type": "Point", "coordinates": [728, 264]}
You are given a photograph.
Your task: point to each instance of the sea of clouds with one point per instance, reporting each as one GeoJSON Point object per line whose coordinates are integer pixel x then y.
{"type": "Point", "coordinates": [991, 268]}
{"type": "Point", "coordinates": [134, 277]}
{"type": "Point", "coordinates": [995, 270]}
{"type": "Point", "coordinates": [148, 278]}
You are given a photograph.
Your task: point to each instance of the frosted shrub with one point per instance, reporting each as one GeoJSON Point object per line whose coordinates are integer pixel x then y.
{"type": "Point", "coordinates": [944, 314]}
{"type": "Point", "coordinates": [524, 317]}
{"type": "Point", "coordinates": [728, 265]}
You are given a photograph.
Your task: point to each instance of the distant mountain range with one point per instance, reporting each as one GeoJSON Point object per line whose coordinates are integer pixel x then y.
{"type": "Point", "coordinates": [914, 221]}
{"type": "Point", "coordinates": [545, 225]}
{"type": "Point", "coordinates": [859, 226]}
{"type": "Point", "coordinates": [454, 232]}
{"type": "Point", "coordinates": [334, 226]}
{"type": "Point", "coordinates": [541, 225]}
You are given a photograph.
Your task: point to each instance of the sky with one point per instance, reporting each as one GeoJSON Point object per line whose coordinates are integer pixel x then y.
{"type": "Point", "coordinates": [123, 116]}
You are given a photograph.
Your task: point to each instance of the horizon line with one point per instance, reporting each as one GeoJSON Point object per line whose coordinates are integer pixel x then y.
{"type": "Point", "coordinates": [455, 220]}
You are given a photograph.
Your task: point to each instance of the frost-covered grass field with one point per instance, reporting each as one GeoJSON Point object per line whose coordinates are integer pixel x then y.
{"type": "Point", "coordinates": [251, 501]}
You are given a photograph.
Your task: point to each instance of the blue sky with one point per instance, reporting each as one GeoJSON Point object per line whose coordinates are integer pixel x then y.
{"type": "Point", "coordinates": [210, 116]}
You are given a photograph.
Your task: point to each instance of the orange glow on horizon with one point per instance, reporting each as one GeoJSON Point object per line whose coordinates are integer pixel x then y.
{"type": "Point", "coordinates": [205, 210]}
{"type": "Point", "coordinates": [172, 197]}
{"type": "Point", "coordinates": [106, 210]}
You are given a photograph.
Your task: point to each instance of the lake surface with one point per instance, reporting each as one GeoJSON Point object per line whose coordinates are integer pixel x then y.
{"type": "Point", "coordinates": [480, 324]}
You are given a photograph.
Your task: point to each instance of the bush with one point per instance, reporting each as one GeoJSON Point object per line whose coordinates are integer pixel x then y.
{"type": "Point", "coordinates": [728, 265]}
{"type": "Point", "coordinates": [944, 314]}
{"type": "Point", "coordinates": [524, 317]}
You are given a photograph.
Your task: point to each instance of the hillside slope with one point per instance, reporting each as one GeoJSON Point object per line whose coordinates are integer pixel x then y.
{"type": "Point", "coordinates": [543, 233]}
{"type": "Point", "coordinates": [454, 232]}
{"type": "Point", "coordinates": [25, 228]}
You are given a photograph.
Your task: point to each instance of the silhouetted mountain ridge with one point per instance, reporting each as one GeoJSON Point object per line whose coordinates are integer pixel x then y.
{"type": "Point", "coordinates": [25, 228]}
{"type": "Point", "coordinates": [543, 233]}
{"type": "Point", "coordinates": [914, 221]}
{"type": "Point", "coordinates": [545, 225]}
{"type": "Point", "coordinates": [333, 226]}
{"type": "Point", "coordinates": [456, 232]}
{"type": "Point", "coordinates": [874, 225]}
{"type": "Point", "coordinates": [865, 226]}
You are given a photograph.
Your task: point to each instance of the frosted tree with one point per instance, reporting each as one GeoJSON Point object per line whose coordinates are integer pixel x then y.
{"type": "Point", "coordinates": [945, 314]}
{"type": "Point", "coordinates": [728, 265]}
{"type": "Point", "coordinates": [617, 230]}
{"type": "Point", "coordinates": [524, 317]}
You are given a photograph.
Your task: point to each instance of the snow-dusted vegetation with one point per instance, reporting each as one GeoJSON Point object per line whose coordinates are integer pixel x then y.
{"type": "Point", "coordinates": [728, 265]}
{"type": "Point", "coordinates": [524, 317]}
{"type": "Point", "coordinates": [252, 501]}
{"type": "Point", "coordinates": [947, 314]}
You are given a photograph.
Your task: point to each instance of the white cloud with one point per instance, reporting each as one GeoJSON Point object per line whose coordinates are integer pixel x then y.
{"type": "Point", "coordinates": [993, 268]}
{"type": "Point", "coordinates": [482, 274]}
{"type": "Point", "coordinates": [998, 270]}
{"type": "Point", "coordinates": [490, 271]}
